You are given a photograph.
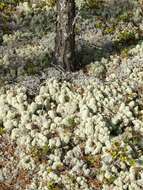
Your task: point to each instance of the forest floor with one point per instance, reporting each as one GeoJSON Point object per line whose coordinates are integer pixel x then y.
{"type": "Point", "coordinates": [72, 131]}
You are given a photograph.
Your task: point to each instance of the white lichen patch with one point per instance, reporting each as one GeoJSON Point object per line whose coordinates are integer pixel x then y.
{"type": "Point", "coordinates": [78, 140]}
{"type": "Point", "coordinates": [86, 134]}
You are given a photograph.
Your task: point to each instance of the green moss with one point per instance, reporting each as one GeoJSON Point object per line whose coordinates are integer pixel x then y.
{"type": "Point", "coordinates": [125, 52]}
{"type": "Point", "coordinates": [109, 30]}
{"type": "Point", "coordinates": [45, 59]}
{"type": "Point", "coordinates": [2, 130]}
{"type": "Point", "coordinates": [77, 29]}
{"type": "Point", "coordinates": [34, 152]}
{"type": "Point", "coordinates": [94, 4]}
{"type": "Point", "coordinates": [125, 17]}
{"type": "Point", "coordinates": [39, 153]}
{"type": "Point", "coordinates": [125, 38]}
{"type": "Point", "coordinates": [114, 154]}
{"type": "Point", "coordinates": [31, 69]}
{"type": "Point", "coordinates": [93, 161]}
{"type": "Point", "coordinates": [49, 170]}
{"type": "Point", "coordinates": [46, 149]}
{"type": "Point", "coordinates": [71, 121]}
{"type": "Point", "coordinates": [99, 25]}
{"type": "Point", "coordinates": [123, 158]}
{"type": "Point", "coordinates": [132, 162]}
{"type": "Point", "coordinates": [90, 160]}
{"type": "Point", "coordinates": [52, 185]}
{"type": "Point", "coordinates": [2, 6]}
{"type": "Point", "coordinates": [72, 179]}
{"type": "Point", "coordinates": [51, 3]}
{"type": "Point", "coordinates": [60, 167]}
{"type": "Point", "coordinates": [111, 179]}
{"type": "Point", "coordinates": [120, 153]}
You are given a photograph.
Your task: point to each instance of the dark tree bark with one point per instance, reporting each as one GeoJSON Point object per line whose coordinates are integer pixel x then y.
{"type": "Point", "coordinates": [65, 35]}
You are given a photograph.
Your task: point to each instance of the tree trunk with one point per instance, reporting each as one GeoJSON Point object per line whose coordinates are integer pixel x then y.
{"type": "Point", "coordinates": [65, 35]}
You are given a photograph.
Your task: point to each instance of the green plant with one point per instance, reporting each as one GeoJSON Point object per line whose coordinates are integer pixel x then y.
{"type": "Point", "coordinates": [52, 185]}
{"type": "Point", "coordinates": [99, 25]}
{"type": "Point", "coordinates": [111, 179]}
{"type": "Point", "coordinates": [93, 161]}
{"type": "Point", "coordinates": [125, 17]}
{"type": "Point", "coordinates": [125, 37]}
{"type": "Point", "coordinates": [119, 152]}
{"type": "Point", "coordinates": [71, 121]}
{"type": "Point", "coordinates": [39, 153]}
{"type": "Point", "coordinates": [51, 3]}
{"type": "Point", "coordinates": [72, 178]}
{"type": "Point", "coordinates": [2, 130]}
{"type": "Point", "coordinates": [31, 68]}
{"type": "Point", "coordinates": [2, 6]}
{"type": "Point", "coordinates": [93, 4]}
{"type": "Point", "coordinates": [109, 30]}
{"type": "Point", "coordinates": [125, 52]}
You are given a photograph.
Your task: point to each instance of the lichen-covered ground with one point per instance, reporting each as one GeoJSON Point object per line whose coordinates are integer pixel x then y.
{"type": "Point", "coordinates": [72, 131]}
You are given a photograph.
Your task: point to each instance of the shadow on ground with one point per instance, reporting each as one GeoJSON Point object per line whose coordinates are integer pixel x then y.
{"type": "Point", "coordinates": [89, 53]}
